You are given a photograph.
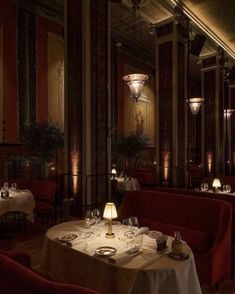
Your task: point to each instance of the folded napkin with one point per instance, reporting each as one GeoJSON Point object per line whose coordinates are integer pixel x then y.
{"type": "Point", "coordinates": [141, 231]}
{"type": "Point", "coordinates": [123, 257]}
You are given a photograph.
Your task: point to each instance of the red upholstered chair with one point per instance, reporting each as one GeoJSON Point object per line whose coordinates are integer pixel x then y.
{"type": "Point", "coordinates": [15, 277]}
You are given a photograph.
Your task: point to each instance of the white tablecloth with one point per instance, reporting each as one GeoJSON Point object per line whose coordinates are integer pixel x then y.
{"type": "Point", "coordinates": [129, 184]}
{"type": "Point", "coordinates": [79, 265]}
{"type": "Point", "coordinates": [21, 201]}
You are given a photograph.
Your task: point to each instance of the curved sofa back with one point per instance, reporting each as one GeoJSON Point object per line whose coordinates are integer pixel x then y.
{"type": "Point", "coordinates": [190, 212]}
{"type": "Point", "coordinates": [16, 278]}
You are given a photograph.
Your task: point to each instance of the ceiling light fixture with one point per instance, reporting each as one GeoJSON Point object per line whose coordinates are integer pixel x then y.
{"type": "Point", "coordinates": [136, 81]}
{"type": "Point", "coordinates": [227, 113]}
{"type": "Point", "coordinates": [195, 104]}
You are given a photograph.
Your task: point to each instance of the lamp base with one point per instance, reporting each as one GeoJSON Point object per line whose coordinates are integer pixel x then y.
{"type": "Point", "coordinates": [110, 236]}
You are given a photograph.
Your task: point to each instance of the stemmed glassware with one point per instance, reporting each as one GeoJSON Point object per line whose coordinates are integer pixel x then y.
{"type": "Point", "coordinates": [227, 188]}
{"type": "Point", "coordinates": [89, 218]}
{"type": "Point", "coordinates": [134, 224]}
{"type": "Point", "coordinates": [96, 213]}
{"type": "Point", "coordinates": [204, 187]}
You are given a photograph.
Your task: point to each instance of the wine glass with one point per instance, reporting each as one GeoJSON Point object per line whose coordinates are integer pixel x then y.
{"type": "Point", "coordinates": [14, 186]}
{"type": "Point", "coordinates": [5, 186]}
{"type": "Point", "coordinates": [89, 220]}
{"type": "Point", "coordinates": [227, 188]}
{"type": "Point", "coordinates": [134, 223]}
{"type": "Point", "coordinates": [126, 222]}
{"type": "Point", "coordinates": [204, 187]}
{"type": "Point", "coordinates": [96, 215]}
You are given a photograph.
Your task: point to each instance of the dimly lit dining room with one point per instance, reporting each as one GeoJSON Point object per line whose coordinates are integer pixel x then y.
{"type": "Point", "coordinates": [117, 146]}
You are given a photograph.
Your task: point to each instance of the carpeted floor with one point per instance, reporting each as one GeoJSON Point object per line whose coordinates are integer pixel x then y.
{"type": "Point", "coordinates": [31, 241]}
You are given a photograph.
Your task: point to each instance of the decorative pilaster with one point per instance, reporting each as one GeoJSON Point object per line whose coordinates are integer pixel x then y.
{"type": "Point", "coordinates": [73, 95]}
{"type": "Point", "coordinates": [212, 71]}
{"type": "Point", "coordinates": [87, 99]}
{"type": "Point", "coordinates": [99, 100]}
{"type": "Point", "coordinates": [170, 108]}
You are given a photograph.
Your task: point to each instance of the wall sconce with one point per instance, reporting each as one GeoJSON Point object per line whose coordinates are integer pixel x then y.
{"type": "Point", "coordinates": [110, 213]}
{"type": "Point", "coordinates": [227, 113]}
{"type": "Point", "coordinates": [194, 104]}
{"type": "Point", "coordinates": [136, 83]}
{"type": "Point", "coordinates": [216, 184]}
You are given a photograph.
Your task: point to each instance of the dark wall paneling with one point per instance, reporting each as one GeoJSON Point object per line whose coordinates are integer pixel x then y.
{"type": "Point", "coordinates": [10, 122]}
{"type": "Point", "coordinates": [99, 98]}
{"type": "Point", "coordinates": [222, 166]}
{"type": "Point", "coordinates": [181, 111]}
{"type": "Point", "coordinates": [209, 90]}
{"type": "Point", "coordinates": [22, 93]}
{"type": "Point", "coordinates": [32, 68]}
{"type": "Point", "coordinates": [74, 117]}
{"type": "Point", "coordinates": [41, 43]}
{"type": "Point", "coordinates": [233, 131]}
{"type": "Point", "coordinates": [165, 111]}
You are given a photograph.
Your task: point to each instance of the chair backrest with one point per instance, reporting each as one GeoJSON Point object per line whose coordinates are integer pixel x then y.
{"type": "Point", "coordinates": [16, 278]}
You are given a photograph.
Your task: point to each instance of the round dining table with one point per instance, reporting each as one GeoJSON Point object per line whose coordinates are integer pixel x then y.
{"type": "Point", "coordinates": [147, 272]}
{"type": "Point", "coordinates": [18, 201]}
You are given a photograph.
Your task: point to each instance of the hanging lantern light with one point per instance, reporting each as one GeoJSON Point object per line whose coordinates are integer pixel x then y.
{"type": "Point", "coordinates": [136, 83]}
{"type": "Point", "coordinates": [195, 104]}
{"type": "Point", "coordinates": [227, 113]}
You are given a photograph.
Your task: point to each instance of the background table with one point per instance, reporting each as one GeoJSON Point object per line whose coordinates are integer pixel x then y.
{"type": "Point", "coordinates": [79, 265]}
{"type": "Point", "coordinates": [129, 184]}
{"type": "Point", "coordinates": [20, 201]}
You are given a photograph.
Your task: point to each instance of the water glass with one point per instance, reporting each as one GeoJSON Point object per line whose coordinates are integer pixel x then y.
{"type": "Point", "coordinates": [226, 188]}
{"type": "Point", "coordinates": [126, 222]}
{"type": "Point", "coordinates": [14, 186]}
{"type": "Point", "coordinates": [89, 220]}
{"type": "Point", "coordinates": [97, 229]}
{"type": "Point", "coordinates": [134, 223]}
{"type": "Point", "coordinates": [96, 214]}
{"type": "Point", "coordinates": [5, 186]}
{"type": "Point", "coordinates": [204, 187]}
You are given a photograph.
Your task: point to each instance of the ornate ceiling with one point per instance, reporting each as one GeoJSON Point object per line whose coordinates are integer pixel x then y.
{"type": "Point", "coordinates": [215, 18]}
{"type": "Point", "coordinates": [215, 15]}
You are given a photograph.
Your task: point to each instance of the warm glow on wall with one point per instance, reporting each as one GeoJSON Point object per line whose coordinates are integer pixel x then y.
{"type": "Point", "coordinates": [74, 169]}
{"type": "Point", "coordinates": [209, 161]}
{"type": "Point", "coordinates": [166, 164]}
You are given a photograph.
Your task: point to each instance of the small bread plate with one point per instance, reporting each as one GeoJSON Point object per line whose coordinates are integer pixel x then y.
{"type": "Point", "coordinates": [105, 251]}
{"type": "Point", "coordinates": [68, 237]}
{"type": "Point", "coordinates": [180, 257]}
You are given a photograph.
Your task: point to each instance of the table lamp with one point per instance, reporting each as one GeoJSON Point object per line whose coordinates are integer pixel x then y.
{"type": "Point", "coordinates": [216, 184]}
{"type": "Point", "coordinates": [110, 212]}
{"type": "Point", "coordinates": [114, 173]}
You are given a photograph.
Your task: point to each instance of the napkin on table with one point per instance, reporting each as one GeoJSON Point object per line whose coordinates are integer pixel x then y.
{"type": "Point", "coordinates": [141, 231]}
{"type": "Point", "coordinates": [123, 257]}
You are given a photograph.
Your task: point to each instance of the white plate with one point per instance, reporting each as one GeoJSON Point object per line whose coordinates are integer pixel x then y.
{"type": "Point", "coordinates": [68, 237]}
{"type": "Point", "coordinates": [105, 251]}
